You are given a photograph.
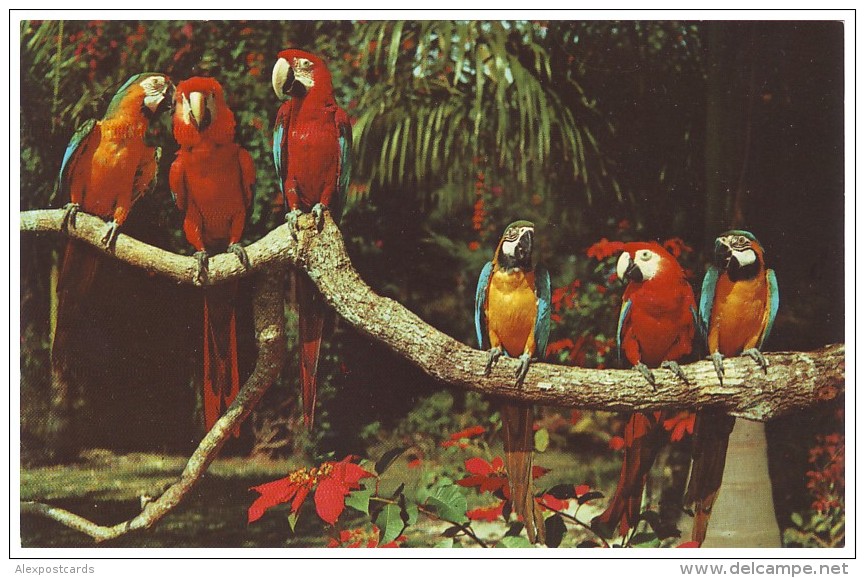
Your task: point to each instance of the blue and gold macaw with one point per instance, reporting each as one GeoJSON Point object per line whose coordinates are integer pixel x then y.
{"type": "Point", "coordinates": [512, 317]}
{"type": "Point", "coordinates": [738, 306]}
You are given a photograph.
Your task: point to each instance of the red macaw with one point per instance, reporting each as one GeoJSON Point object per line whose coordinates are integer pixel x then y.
{"type": "Point", "coordinates": [106, 168]}
{"type": "Point", "coordinates": [312, 155]}
{"type": "Point", "coordinates": [212, 181]}
{"type": "Point", "coordinates": [738, 305]}
{"type": "Point", "coordinates": [512, 317]}
{"type": "Point", "coordinates": [656, 328]}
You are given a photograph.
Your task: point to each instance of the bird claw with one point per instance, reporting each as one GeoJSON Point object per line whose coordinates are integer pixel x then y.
{"type": "Point", "coordinates": [676, 369]}
{"type": "Point", "coordinates": [110, 236]}
{"type": "Point", "coordinates": [647, 373]}
{"type": "Point", "coordinates": [718, 362]}
{"type": "Point", "coordinates": [69, 212]}
{"type": "Point", "coordinates": [755, 354]}
{"type": "Point", "coordinates": [201, 274]}
{"type": "Point", "coordinates": [291, 222]}
{"type": "Point", "coordinates": [523, 369]}
{"type": "Point", "coordinates": [493, 357]}
{"type": "Point", "coordinates": [318, 215]}
{"type": "Point", "coordinates": [238, 250]}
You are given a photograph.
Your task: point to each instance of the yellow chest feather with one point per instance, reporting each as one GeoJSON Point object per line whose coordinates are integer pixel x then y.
{"type": "Point", "coordinates": [512, 308]}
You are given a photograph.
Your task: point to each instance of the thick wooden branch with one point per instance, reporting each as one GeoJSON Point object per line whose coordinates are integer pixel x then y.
{"type": "Point", "coordinates": [270, 336]}
{"type": "Point", "coordinates": [795, 380]}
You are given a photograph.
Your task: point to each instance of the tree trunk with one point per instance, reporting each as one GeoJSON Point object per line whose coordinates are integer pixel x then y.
{"type": "Point", "coordinates": [744, 514]}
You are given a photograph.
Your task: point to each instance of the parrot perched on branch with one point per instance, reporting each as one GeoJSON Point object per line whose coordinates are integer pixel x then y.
{"type": "Point", "coordinates": [312, 155]}
{"type": "Point", "coordinates": [106, 168]}
{"type": "Point", "coordinates": [512, 318]}
{"type": "Point", "coordinates": [212, 181]}
{"type": "Point", "coordinates": [738, 305]}
{"type": "Point", "coordinates": [656, 328]}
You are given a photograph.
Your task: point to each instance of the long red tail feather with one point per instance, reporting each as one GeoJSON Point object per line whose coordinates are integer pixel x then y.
{"type": "Point", "coordinates": [312, 312]}
{"type": "Point", "coordinates": [221, 375]}
{"type": "Point", "coordinates": [642, 443]}
{"type": "Point", "coordinates": [712, 431]}
{"type": "Point", "coordinates": [75, 279]}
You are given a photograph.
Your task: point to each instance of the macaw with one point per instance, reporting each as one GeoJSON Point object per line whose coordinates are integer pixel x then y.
{"type": "Point", "coordinates": [738, 305]}
{"type": "Point", "coordinates": [106, 168]}
{"type": "Point", "coordinates": [657, 322]}
{"type": "Point", "coordinates": [512, 318]}
{"type": "Point", "coordinates": [212, 180]}
{"type": "Point", "coordinates": [312, 155]}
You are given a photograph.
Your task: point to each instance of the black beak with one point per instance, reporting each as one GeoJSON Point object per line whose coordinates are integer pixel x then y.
{"type": "Point", "coordinates": [523, 252]}
{"type": "Point", "coordinates": [723, 254]}
{"type": "Point", "coordinates": [633, 273]}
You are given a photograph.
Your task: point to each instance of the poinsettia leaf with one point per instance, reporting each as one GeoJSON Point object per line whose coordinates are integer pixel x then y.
{"type": "Point", "coordinates": [562, 491]}
{"type": "Point", "coordinates": [398, 491]}
{"type": "Point", "coordinates": [448, 543]}
{"type": "Point", "coordinates": [555, 527]}
{"type": "Point", "coordinates": [359, 499]}
{"type": "Point", "coordinates": [385, 461]}
{"type": "Point", "coordinates": [452, 531]}
{"type": "Point", "coordinates": [449, 503]}
{"type": "Point", "coordinates": [514, 542]}
{"type": "Point", "coordinates": [644, 540]}
{"type": "Point", "coordinates": [515, 529]}
{"type": "Point", "coordinates": [292, 520]}
{"type": "Point", "coordinates": [403, 510]}
{"type": "Point", "coordinates": [542, 440]}
{"type": "Point", "coordinates": [330, 499]}
{"type": "Point", "coordinates": [588, 497]}
{"type": "Point", "coordinates": [389, 523]}
{"type": "Point", "coordinates": [588, 544]}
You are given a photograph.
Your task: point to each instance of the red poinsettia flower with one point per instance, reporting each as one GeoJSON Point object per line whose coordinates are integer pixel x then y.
{"type": "Point", "coordinates": [689, 545]}
{"type": "Point", "coordinates": [332, 482]}
{"type": "Point", "coordinates": [604, 249]}
{"type": "Point", "coordinates": [676, 247]}
{"type": "Point", "coordinates": [680, 424]}
{"type": "Point", "coordinates": [486, 476]}
{"type": "Point", "coordinates": [459, 438]}
{"type": "Point", "coordinates": [617, 443]}
{"type": "Point", "coordinates": [551, 502]}
{"type": "Point", "coordinates": [360, 538]}
{"type": "Point", "coordinates": [488, 513]}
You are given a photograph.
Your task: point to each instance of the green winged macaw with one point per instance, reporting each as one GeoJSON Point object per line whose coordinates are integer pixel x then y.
{"type": "Point", "coordinates": [106, 168]}
{"type": "Point", "coordinates": [312, 155]}
{"type": "Point", "coordinates": [738, 305]}
{"type": "Point", "coordinates": [657, 324]}
{"type": "Point", "coordinates": [512, 318]}
{"type": "Point", "coordinates": [212, 180]}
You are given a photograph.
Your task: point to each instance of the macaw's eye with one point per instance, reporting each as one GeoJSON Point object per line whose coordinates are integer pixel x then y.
{"type": "Point", "coordinates": [303, 63]}
{"type": "Point", "coordinates": [644, 255]}
{"type": "Point", "coordinates": [743, 240]}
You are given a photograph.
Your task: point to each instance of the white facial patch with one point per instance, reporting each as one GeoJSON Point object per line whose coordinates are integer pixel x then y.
{"type": "Point", "coordinates": [303, 72]}
{"type": "Point", "coordinates": [509, 245]}
{"type": "Point", "coordinates": [154, 91]}
{"type": "Point", "coordinates": [648, 262]}
{"type": "Point", "coordinates": [745, 257]}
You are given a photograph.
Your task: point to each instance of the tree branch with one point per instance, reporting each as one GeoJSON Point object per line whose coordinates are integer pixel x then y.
{"type": "Point", "coordinates": [795, 380]}
{"type": "Point", "coordinates": [270, 335]}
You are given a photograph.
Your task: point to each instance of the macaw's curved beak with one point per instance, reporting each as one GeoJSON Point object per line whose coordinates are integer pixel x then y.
{"type": "Point", "coordinates": [627, 269]}
{"type": "Point", "coordinates": [523, 251]}
{"type": "Point", "coordinates": [199, 113]}
{"type": "Point", "coordinates": [282, 78]}
{"type": "Point", "coordinates": [723, 253]}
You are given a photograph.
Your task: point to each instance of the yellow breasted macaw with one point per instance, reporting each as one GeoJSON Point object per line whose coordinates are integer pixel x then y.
{"type": "Point", "coordinates": [512, 317]}
{"type": "Point", "coordinates": [738, 305]}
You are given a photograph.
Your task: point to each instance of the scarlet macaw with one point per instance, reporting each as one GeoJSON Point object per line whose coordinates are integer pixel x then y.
{"type": "Point", "coordinates": [738, 304]}
{"type": "Point", "coordinates": [512, 317]}
{"type": "Point", "coordinates": [656, 328]}
{"type": "Point", "coordinates": [212, 181]}
{"type": "Point", "coordinates": [312, 155]}
{"type": "Point", "coordinates": [106, 168]}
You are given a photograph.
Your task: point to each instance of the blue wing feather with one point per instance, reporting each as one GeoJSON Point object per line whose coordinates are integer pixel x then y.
{"type": "Point", "coordinates": [707, 300]}
{"type": "Point", "coordinates": [542, 322]}
{"type": "Point", "coordinates": [344, 177]}
{"type": "Point", "coordinates": [280, 156]}
{"type": "Point", "coordinates": [774, 301]}
{"type": "Point", "coordinates": [623, 314]}
{"type": "Point", "coordinates": [480, 301]}
{"type": "Point", "coordinates": [72, 149]}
